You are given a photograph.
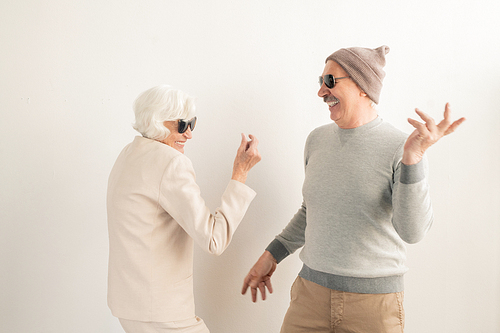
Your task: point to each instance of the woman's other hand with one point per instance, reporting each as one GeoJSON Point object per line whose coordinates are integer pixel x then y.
{"type": "Point", "coordinates": [246, 157]}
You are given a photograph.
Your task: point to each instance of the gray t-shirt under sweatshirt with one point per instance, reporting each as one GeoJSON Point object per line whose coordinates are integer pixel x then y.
{"type": "Point", "coordinates": [360, 205]}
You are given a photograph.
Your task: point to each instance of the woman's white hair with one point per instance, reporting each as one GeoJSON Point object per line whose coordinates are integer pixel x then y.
{"type": "Point", "coordinates": [159, 104]}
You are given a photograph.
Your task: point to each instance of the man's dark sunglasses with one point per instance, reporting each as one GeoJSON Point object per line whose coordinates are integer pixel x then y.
{"type": "Point", "coordinates": [183, 125]}
{"type": "Point", "coordinates": [329, 80]}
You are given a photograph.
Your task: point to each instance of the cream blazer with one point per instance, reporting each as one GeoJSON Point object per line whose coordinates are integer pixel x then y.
{"type": "Point", "coordinates": [155, 212]}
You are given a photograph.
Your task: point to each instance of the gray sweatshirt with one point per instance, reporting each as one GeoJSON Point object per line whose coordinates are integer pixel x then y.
{"type": "Point", "coordinates": [360, 205]}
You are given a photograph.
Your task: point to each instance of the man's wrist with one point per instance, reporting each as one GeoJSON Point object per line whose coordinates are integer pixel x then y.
{"type": "Point", "coordinates": [411, 158]}
{"type": "Point", "coordinates": [268, 256]}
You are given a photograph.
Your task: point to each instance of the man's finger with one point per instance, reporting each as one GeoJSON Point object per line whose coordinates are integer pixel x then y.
{"type": "Point", "coordinates": [447, 111]}
{"type": "Point", "coordinates": [262, 289]}
{"type": "Point", "coordinates": [419, 126]}
{"type": "Point", "coordinates": [245, 287]}
{"type": "Point", "coordinates": [445, 123]}
{"type": "Point", "coordinates": [429, 121]}
{"type": "Point", "coordinates": [454, 126]}
{"type": "Point", "coordinates": [254, 294]}
{"type": "Point", "coordinates": [269, 285]}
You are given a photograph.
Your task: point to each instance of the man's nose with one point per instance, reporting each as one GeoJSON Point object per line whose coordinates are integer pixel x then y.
{"type": "Point", "coordinates": [323, 91]}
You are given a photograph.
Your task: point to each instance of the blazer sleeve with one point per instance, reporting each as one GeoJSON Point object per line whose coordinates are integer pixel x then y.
{"type": "Point", "coordinates": [180, 197]}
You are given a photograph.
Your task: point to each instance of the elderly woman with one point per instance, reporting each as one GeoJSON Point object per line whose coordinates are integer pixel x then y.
{"type": "Point", "coordinates": [156, 213]}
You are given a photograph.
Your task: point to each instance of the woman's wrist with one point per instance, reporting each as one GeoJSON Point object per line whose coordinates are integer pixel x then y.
{"type": "Point", "coordinates": [239, 176]}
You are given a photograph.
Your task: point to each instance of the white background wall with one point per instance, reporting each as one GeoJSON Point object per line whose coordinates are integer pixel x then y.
{"type": "Point", "coordinates": [69, 71]}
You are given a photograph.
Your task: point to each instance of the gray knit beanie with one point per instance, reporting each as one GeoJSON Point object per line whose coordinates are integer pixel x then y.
{"type": "Point", "coordinates": [364, 66]}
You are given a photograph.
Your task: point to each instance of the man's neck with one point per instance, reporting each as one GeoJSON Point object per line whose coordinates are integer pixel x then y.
{"type": "Point", "coordinates": [362, 117]}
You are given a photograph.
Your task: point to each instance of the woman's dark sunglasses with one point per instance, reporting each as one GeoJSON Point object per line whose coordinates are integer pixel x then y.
{"type": "Point", "coordinates": [329, 80]}
{"type": "Point", "coordinates": [183, 125]}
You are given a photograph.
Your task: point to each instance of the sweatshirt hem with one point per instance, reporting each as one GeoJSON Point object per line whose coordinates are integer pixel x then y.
{"type": "Point", "coordinates": [378, 285]}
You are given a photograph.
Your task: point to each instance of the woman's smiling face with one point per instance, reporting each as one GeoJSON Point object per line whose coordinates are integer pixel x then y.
{"type": "Point", "coordinates": [175, 139]}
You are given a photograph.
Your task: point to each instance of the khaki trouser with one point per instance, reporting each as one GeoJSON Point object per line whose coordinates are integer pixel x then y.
{"type": "Point", "coordinates": [314, 308]}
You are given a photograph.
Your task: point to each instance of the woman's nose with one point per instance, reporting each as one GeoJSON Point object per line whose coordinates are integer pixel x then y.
{"type": "Point", "coordinates": [188, 134]}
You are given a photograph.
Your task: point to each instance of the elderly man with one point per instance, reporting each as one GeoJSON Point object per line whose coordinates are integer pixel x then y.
{"type": "Point", "coordinates": [365, 194]}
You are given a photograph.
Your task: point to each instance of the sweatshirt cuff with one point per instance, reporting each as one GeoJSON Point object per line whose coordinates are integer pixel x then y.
{"type": "Point", "coordinates": [412, 174]}
{"type": "Point", "coordinates": [278, 250]}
